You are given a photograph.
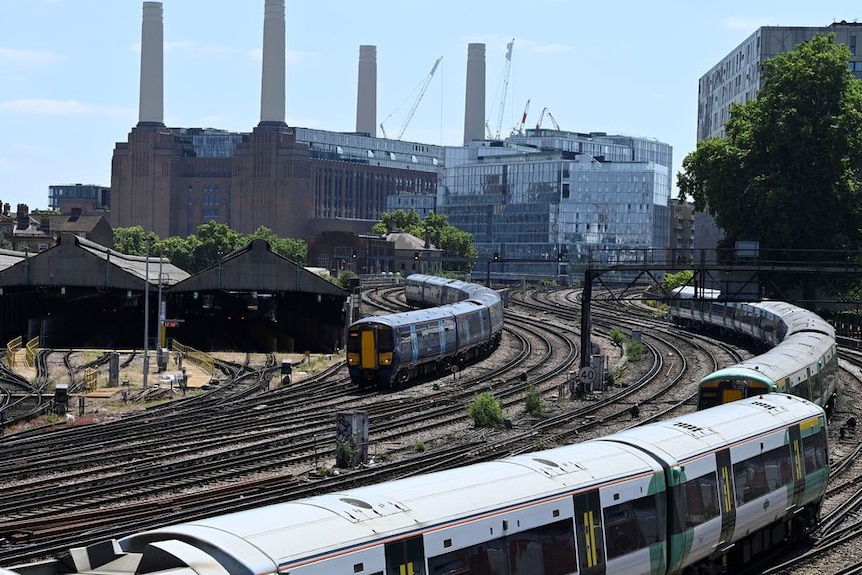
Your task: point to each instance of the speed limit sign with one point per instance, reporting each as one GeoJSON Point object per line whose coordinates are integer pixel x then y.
{"type": "Point", "coordinates": [587, 374]}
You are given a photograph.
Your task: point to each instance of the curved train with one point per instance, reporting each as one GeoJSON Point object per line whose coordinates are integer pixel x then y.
{"type": "Point", "coordinates": [463, 322]}
{"type": "Point", "coordinates": [700, 494]}
{"type": "Point", "coordinates": [803, 359]}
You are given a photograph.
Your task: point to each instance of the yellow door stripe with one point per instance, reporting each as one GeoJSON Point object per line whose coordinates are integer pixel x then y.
{"type": "Point", "coordinates": [590, 539]}
{"type": "Point", "coordinates": [725, 481]}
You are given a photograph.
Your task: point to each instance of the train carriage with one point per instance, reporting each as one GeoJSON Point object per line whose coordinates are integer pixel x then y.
{"type": "Point", "coordinates": [739, 480]}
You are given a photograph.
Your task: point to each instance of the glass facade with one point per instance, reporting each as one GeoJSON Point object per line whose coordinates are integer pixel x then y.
{"type": "Point", "coordinates": [97, 197]}
{"type": "Point", "coordinates": [369, 150]}
{"type": "Point", "coordinates": [541, 195]}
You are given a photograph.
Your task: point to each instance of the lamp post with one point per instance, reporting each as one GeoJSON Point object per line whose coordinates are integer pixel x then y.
{"type": "Point", "coordinates": [147, 314]}
{"type": "Point", "coordinates": [161, 309]}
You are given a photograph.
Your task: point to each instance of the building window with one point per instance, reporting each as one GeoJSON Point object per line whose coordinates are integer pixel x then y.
{"type": "Point", "coordinates": [853, 45]}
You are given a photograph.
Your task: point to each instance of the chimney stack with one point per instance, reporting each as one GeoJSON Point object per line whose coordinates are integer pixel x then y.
{"type": "Point", "coordinates": [272, 88]}
{"type": "Point", "coordinates": [22, 217]}
{"type": "Point", "coordinates": [474, 106]}
{"type": "Point", "coordinates": [151, 105]}
{"type": "Point", "coordinates": [366, 94]}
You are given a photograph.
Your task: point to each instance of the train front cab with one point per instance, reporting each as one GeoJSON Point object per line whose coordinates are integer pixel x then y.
{"type": "Point", "coordinates": [371, 359]}
{"type": "Point", "coordinates": [720, 388]}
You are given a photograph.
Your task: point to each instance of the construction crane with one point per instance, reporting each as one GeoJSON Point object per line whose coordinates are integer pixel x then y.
{"type": "Point", "coordinates": [421, 88]}
{"type": "Point", "coordinates": [541, 117]}
{"type": "Point", "coordinates": [519, 129]}
{"type": "Point", "coordinates": [545, 110]}
{"type": "Point", "coordinates": [504, 83]}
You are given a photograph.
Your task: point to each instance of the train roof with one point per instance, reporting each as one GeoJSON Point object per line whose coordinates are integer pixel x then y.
{"type": "Point", "coordinates": [796, 318]}
{"type": "Point", "coordinates": [690, 436]}
{"type": "Point", "coordinates": [413, 316]}
{"type": "Point", "coordinates": [290, 533]}
{"type": "Point", "coordinates": [795, 353]}
{"type": "Point", "coordinates": [690, 292]}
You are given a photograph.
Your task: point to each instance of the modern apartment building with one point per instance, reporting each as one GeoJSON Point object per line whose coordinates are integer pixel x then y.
{"type": "Point", "coordinates": [737, 77]}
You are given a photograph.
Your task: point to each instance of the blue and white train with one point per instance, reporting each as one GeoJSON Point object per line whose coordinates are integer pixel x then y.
{"type": "Point", "coordinates": [803, 359]}
{"type": "Point", "coordinates": [464, 323]}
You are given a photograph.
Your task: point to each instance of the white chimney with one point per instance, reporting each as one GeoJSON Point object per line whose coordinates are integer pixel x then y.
{"type": "Point", "coordinates": [151, 106]}
{"type": "Point", "coordinates": [474, 106]}
{"type": "Point", "coordinates": [273, 77]}
{"type": "Point", "coordinates": [366, 92]}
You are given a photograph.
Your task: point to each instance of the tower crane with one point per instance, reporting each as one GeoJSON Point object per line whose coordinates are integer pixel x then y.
{"type": "Point", "coordinates": [504, 82]}
{"type": "Point", "coordinates": [519, 129]}
{"type": "Point", "coordinates": [421, 88]}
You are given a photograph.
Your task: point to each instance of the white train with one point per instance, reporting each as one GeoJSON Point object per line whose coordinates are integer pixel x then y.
{"type": "Point", "coordinates": [803, 359]}
{"type": "Point", "coordinates": [700, 493]}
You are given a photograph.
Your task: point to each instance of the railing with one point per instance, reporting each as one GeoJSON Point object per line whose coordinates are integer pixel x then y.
{"type": "Point", "coordinates": [11, 349]}
{"type": "Point", "coordinates": [32, 351]}
{"type": "Point", "coordinates": [202, 359]}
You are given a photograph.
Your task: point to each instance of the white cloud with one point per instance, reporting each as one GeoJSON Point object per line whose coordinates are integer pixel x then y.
{"type": "Point", "coordinates": [748, 23]}
{"type": "Point", "coordinates": [28, 58]}
{"type": "Point", "coordinates": [45, 106]}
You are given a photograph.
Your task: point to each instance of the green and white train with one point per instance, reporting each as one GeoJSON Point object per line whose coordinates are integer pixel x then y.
{"type": "Point", "coordinates": [699, 494]}
{"type": "Point", "coordinates": [802, 360]}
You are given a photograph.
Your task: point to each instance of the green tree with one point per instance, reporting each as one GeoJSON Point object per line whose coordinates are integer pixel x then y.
{"type": "Point", "coordinates": [216, 241]}
{"type": "Point", "coordinates": [787, 173]}
{"type": "Point", "coordinates": [399, 220]}
{"type": "Point", "coordinates": [293, 249]}
{"type": "Point", "coordinates": [455, 243]}
{"type": "Point", "coordinates": [675, 280]}
{"type": "Point", "coordinates": [180, 251]}
{"type": "Point", "coordinates": [133, 241]}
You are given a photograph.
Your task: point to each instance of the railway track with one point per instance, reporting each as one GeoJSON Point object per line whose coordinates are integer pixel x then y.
{"type": "Point", "coordinates": [285, 428]}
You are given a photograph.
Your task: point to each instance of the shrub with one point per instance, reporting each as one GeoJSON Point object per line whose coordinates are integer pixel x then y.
{"type": "Point", "coordinates": [486, 411]}
{"type": "Point", "coordinates": [635, 351]}
{"type": "Point", "coordinates": [534, 401]}
{"type": "Point", "coordinates": [419, 446]}
{"type": "Point", "coordinates": [617, 336]}
{"type": "Point", "coordinates": [345, 453]}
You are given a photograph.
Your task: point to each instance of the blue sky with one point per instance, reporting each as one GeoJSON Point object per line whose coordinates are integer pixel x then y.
{"type": "Point", "coordinates": [69, 69]}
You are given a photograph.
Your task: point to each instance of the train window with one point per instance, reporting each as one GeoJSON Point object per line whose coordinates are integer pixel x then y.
{"type": "Point", "coordinates": [384, 339]}
{"type": "Point", "coordinates": [814, 450]}
{"type": "Point", "coordinates": [353, 341]}
{"type": "Point", "coordinates": [548, 549]}
{"type": "Point", "coordinates": [800, 389]}
{"type": "Point", "coordinates": [762, 473]}
{"type": "Point", "coordinates": [749, 480]}
{"type": "Point", "coordinates": [698, 498]}
{"type": "Point", "coordinates": [777, 465]}
{"type": "Point", "coordinates": [631, 526]}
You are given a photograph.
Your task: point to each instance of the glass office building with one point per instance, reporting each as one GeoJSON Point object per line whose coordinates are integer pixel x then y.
{"type": "Point", "coordinates": [547, 203]}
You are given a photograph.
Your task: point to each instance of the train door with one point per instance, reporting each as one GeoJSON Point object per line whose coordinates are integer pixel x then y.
{"type": "Point", "coordinates": [406, 557]}
{"type": "Point", "coordinates": [589, 533]}
{"type": "Point", "coordinates": [368, 349]}
{"type": "Point", "coordinates": [726, 496]}
{"type": "Point", "coordinates": [798, 465]}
